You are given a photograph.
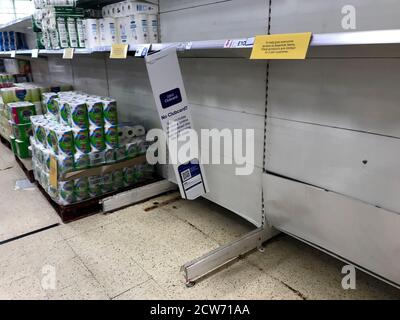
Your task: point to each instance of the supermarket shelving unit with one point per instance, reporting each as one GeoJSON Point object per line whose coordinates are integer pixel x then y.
{"type": "Point", "coordinates": [313, 185]}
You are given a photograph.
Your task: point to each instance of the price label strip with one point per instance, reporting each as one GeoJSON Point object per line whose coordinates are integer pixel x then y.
{"type": "Point", "coordinates": [293, 46]}
{"type": "Point", "coordinates": [119, 51]}
{"type": "Point", "coordinates": [172, 105]}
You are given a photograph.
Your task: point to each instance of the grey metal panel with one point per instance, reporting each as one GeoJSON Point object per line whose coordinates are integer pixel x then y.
{"type": "Point", "coordinates": [40, 70]}
{"type": "Point", "coordinates": [321, 16]}
{"type": "Point", "coordinates": [240, 194]}
{"type": "Point", "coordinates": [366, 235]}
{"type": "Point", "coordinates": [90, 74]}
{"type": "Point", "coordinates": [60, 70]}
{"type": "Point", "coordinates": [231, 84]}
{"type": "Point", "coordinates": [215, 118]}
{"type": "Point", "coordinates": [333, 158]}
{"type": "Point", "coordinates": [358, 94]}
{"type": "Point", "coordinates": [222, 20]}
{"type": "Point", "coordinates": [129, 84]}
{"type": "Point", "coordinates": [169, 5]}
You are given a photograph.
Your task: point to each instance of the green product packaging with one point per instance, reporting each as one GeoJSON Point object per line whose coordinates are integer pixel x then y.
{"type": "Point", "coordinates": [78, 115]}
{"type": "Point", "coordinates": [107, 183]}
{"type": "Point", "coordinates": [97, 158]}
{"type": "Point", "coordinates": [64, 143]}
{"type": "Point", "coordinates": [118, 179]}
{"type": "Point", "coordinates": [65, 164]}
{"type": "Point", "coordinates": [95, 113]}
{"type": "Point", "coordinates": [110, 155]}
{"type": "Point", "coordinates": [21, 112]}
{"type": "Point", "coordinates": [81, 140]}
{"type": "Point", "coordinates": [129, 178]}
{"type": "Point", "coordinates": [95, 186]}
{"type": "Point", "coordinates": [81, 189]}
{"type": "Point", "coordinates": [13, 144]}
{"type": "Point", "coordinates": [64, 112]}
{"type": "Point", "coordinates": [110, 111]}
{"type": "Point", "coordinates": [21, 131]}
{"type": "Point", "coordinates": [111, 136]}
{"type": "Point", "coordinates": [66, 192]}
{"type": "Point", "coordinates": [81, 161]}
{"type": "Point", "coordinates": [97, 140]}
{"type": "Point", "coordinates": [23, 149]}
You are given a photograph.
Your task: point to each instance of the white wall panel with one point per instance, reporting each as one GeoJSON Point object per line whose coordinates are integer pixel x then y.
{"type": "Point", "coordinates": [220, 20]}
{"type": "Point", "coordinates": [358, 94]}
{"type": "Point", "coordinates": [333, 158]}
{"type": "Point", "coordinates": [361, 233]}
{"type": "Point", "coordinates": [321, 16]}
{"type": "Point", "coordinates": [170, 5]}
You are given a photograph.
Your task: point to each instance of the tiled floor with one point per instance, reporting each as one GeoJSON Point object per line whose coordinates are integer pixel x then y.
{"type": "Point", "coordinates": [136, 253]}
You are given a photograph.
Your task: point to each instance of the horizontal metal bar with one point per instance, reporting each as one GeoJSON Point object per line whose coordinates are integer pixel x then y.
{"type": "Point", "coordinates": [224, 254]}
{"type": "Point", "coordinates": [136, 195]}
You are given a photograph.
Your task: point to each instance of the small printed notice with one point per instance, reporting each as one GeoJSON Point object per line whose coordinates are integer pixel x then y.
{"type": "Point", "coordinates": [68, 53]}
{"type": "Point", "coordinates": [293, 46]}
{"type": "Point", "coordinates": [119, 51]}
{"type": "Point", "coordinates": [12, 54]}
{"type": "Point", "coordinates": [35, 53]}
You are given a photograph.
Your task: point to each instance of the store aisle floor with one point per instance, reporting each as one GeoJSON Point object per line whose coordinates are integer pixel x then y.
{"type": "Point", "coordinates": [21, 211]}
{"type": "Point", "coordinates": [136, 253]}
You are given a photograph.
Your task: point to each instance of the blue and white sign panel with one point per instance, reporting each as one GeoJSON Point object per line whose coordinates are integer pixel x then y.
{"type": "Point", "coordinates": [172, 105]}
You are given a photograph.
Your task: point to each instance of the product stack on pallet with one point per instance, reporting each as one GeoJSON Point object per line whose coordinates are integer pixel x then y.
{"type": "Point", "coordinates": [60, 24]}
{"type": "Point", "coordinates": [78, 154]}
{"type": "Point", "coordinates": [19, 103]}
{"type": "Point", "coordinates": [10, 40]}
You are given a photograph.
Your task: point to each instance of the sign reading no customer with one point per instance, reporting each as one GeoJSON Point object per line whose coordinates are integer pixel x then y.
{"type": "Point", "coordinates": [292, 46]}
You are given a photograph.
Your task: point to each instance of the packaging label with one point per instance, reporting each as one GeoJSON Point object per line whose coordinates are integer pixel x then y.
{"type": "Point", "coordinates": [281, 46]}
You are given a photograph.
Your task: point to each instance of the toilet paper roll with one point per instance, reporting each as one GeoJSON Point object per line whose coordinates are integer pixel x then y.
{"type": "Point", "coordinates": [123, 30]}
{"type": "Point", "coordinates": [143, 28]}
{"type": "Point", "coordinates": [92, 33]}
{"type": "Point", "coordinates": [152, 21]}
{"type": "Point", "coordinates": [108, 32]}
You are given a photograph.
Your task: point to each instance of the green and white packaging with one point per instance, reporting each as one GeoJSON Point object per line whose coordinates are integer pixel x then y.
{"type": "Point", "coordinates": [21, 112]}
{"type": "Point", "coordinates": [81, 161]}
{"type": "Point", "coordinates": [97, 158]}
{"type": "Point", "coordinates": [72, 32]}
{"type": "Point", "coordinates": [111, 136]}
{"type": "Point", "coordinates": [95, 186]}
{"type": "Point", "coordinates": [66, 194]}
{"type": "Point", "coordinates": [118, 179]}
{"type": "Point", "coordinates": [80, 28]}
{"type": "Point", "coordinates": [65, 164]}
{"type": "Point", "coordinates": [78, 115]}
{"type": "Point", "coordinates": [95, 112]}
{"type": "Point", "coordinates": [128, 176]}
{"type": "Point", "coordinates": [62, 30]}
{"type": "Point", "coordinates": [81, 189]}
{"type": "Point", "coordinates": [110, 111]}
{"type": "Point", "coordinates": [107, 184]}
{"type": "Point", "coordinates": [62, 140]}
{"type": "Point", "coordinates": [81, 140]}
{"type": "Point", "coordinates": [110, 155]}
{"type": "Point", "coordinates": [97, 139]}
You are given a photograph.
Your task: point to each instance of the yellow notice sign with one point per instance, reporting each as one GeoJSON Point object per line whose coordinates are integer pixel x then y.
{"type": "Point", "coordinates": [290, 46]}
{"type": "Point", "coordinates": [68, 53]}
{"type": "Point", "coordinates": [53, 172]}
{"type": "Point", "coordinates": [119, 51]}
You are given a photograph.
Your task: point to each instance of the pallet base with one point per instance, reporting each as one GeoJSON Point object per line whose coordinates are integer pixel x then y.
{"type": "Point", "coordinates": [88, 207]}
{"type": "Point", "coordinates": [5, 142]}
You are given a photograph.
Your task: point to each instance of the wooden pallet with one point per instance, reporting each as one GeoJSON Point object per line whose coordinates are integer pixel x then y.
{"type": "Point", "coordinates": [88, 207]}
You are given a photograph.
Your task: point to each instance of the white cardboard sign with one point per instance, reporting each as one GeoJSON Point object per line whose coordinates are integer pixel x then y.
{"type": "Point", "coordinates": [172, 105]}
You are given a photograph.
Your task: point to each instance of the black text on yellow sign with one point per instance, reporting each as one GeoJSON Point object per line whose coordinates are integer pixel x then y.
{"type": "Point", "coordinates": [292, 46]}
{"type": "Point", "coordinates": [119, 51]}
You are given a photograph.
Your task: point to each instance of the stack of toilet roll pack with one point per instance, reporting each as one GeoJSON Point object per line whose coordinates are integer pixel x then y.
{"type": "Point", "coordinates": [126, 22]}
